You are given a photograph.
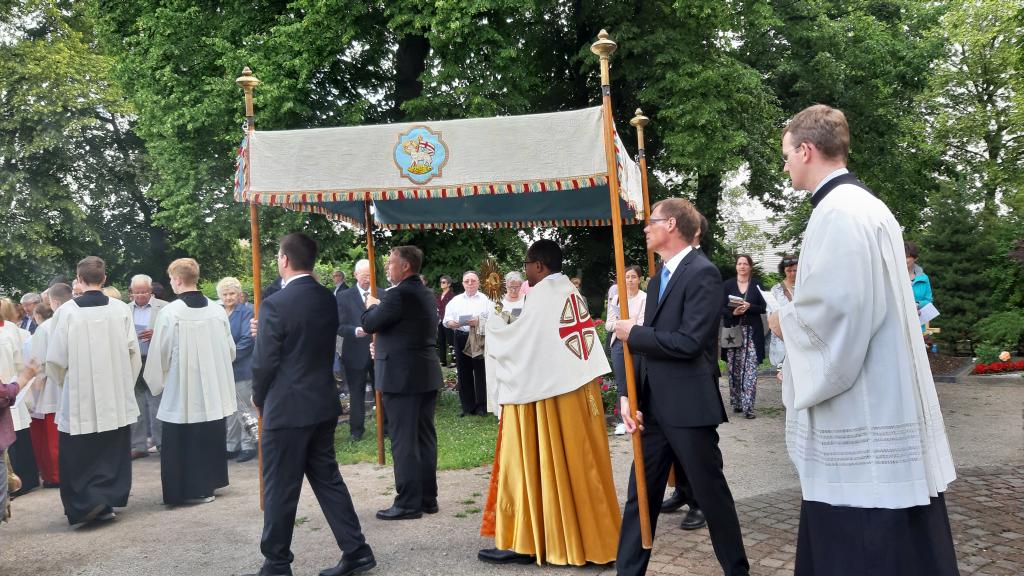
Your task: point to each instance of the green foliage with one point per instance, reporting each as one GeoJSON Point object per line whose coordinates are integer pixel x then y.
{"type": "Point", "coordinates": [987, 353]}
{"type": "Point", "coordinates": [1003, 330]}
{"type": "Point", "coordinates": [461, 442]}
{"type": "Point", "coordinates": [955, 257]}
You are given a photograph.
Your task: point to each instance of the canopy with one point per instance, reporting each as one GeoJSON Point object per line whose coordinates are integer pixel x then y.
{"type": "Point", "coordinates": [511, 171]}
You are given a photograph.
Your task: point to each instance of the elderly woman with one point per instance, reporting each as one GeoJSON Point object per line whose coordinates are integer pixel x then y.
{"type": "Point", "coordinates": [512, 301]}
{"type": "Point", "coordinates": [189, 361]}
{"type": "Point", "coordinates": [743, 309]}
{"type": "Point", "coordinates": [637, 306]}
{"type": "Point", "coordinates": [783, 293]}
{"type": "Point", "coordinates": [240, 444]}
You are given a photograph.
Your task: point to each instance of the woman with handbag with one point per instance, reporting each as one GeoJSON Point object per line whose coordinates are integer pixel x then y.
{"type": "Point", "coordinates": [743, 335]}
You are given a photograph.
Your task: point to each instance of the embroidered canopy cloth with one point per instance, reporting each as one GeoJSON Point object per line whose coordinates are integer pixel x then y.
{"type": "Point", "coordinates": [510, 171]}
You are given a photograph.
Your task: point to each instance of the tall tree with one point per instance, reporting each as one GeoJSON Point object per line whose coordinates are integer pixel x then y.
{"type": "Point", "coordinates": [74, 175]}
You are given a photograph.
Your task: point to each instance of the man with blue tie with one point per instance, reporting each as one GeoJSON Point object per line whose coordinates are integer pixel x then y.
{"type": "Point", "coordinates": [680, 405]}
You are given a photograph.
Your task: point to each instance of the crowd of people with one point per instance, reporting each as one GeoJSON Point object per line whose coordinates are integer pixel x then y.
{"type": "Point", "coordinates": [111, 381]}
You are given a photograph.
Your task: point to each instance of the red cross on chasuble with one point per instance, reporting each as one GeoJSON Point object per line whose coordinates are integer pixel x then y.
{"type": "Point", "coordinates": [577, 327]}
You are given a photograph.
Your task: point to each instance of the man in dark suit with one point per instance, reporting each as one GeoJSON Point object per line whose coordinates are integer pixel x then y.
{"type": "Point", "coordinates": [355, 346]}
{"type": "Point", "coordinates": [293, 387]}
{"type": "Point", "coordinates": [339, 281]}
{"type": "Point", "coordinates": [680, 406]}
{"type": "Point", "coordinates": [409, 377]}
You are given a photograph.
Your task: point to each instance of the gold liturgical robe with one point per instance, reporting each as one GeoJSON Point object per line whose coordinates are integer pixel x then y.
{"type": "Point", "coordinates": [552, 494]}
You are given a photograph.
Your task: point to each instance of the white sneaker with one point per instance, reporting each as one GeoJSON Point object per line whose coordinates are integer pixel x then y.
{"type": "Point", "coordinates": [620, 429]}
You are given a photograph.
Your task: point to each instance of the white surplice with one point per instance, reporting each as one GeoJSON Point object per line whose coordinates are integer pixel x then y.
{"type": "Point", "coordinates": [46, 397]}
{"type": "Point", "coordinates": [94, 352]}
{"type": "Point", "coordinates": [12, 339]}
{"type": "Point", "coordinates": [189, 361]}
{"type": "Point", "coordinates": [863, 423]}
{"type": "Point", "coordinates": [548, 351]}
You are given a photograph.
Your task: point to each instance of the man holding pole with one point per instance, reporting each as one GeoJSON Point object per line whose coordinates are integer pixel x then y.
{"type": "Point", "coordinates": [552, 498]}
{"type": "Point", "coordinates": [680, 406]}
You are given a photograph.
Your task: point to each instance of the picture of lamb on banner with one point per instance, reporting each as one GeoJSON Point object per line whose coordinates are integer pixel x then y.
{"type": "Point", "coordinates": [420, 154]}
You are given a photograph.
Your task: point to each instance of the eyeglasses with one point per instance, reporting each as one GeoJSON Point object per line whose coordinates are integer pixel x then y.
{"type": "Point", "coordinates": [653, 220]}
{"type": "Point", "coordinates": [525, 262]}
{"type": "Point", "coordinates": [785, 157]}
{"type": "Point", "coordinates": [139, 293]}
{"type": "Point", "coordinates": [789, 262]}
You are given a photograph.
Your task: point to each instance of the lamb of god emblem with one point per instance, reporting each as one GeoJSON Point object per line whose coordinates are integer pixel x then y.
{"type": "Point", "coordinates": [420, 154]}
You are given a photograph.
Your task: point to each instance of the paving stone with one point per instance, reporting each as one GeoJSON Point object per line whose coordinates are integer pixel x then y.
{"type": "Point", "coordinates": [986, 512]}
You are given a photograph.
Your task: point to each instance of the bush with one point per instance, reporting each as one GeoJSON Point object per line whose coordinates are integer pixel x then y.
{"type": "Point", "coordinates": [987, 353]}
{"type": "Point", "coordinates": [1002, 330]}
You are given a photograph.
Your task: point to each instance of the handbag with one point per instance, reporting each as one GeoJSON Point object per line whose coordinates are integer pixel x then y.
{"type": "Point", "coordinates": [732, 336]}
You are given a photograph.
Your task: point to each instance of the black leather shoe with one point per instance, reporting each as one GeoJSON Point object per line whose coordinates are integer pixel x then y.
{"type": "Point", "coordinates": [673, 502]}
{"type": "Point", "coordinates": [430, 507]}
{"type": "Point", "coordinates": [230, 454]}
{"type": "Point", "coordinates": [245, 456]}
{"type": "Point", "coordinates": [694, 519]}
{"type": "Point", "coordinates": [750, 416]}
{"type": "Point", "coordinates": [351, 566]}
{"type": "Point", "coordinates": [495, 556]}
{"type": "Point", "coordinates": [396, 513]}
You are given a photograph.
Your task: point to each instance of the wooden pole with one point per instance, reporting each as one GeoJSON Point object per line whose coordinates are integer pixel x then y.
{"type": "Point", "coordinates": [639, 121]}
{"type": "Point", "coordinates": [248, 82]}
{"type": "Point", "coordinates": [604, 48]}
{"type": "Point", "coordinates": [377, 398]}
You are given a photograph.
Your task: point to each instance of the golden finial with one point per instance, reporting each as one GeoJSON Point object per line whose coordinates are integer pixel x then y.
{"type": "Point", "coordinates": [603, 47]}
{"type": "Point", "coordinates": [639, 120]}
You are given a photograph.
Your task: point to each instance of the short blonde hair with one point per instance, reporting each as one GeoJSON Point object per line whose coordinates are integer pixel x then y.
{"type": "Point", "coordinates": [184, 269]}
{"type": "Point", "coordinates": [228, 283]}
{"type": "Point", "coordinates": [8, 310]}
{"type": "Point", "coordinates": [112, 292]}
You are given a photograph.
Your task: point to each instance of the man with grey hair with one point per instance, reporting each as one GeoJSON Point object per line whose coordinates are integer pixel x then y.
{"type": "Point", "coordinates": [145, 307]}
{"type": "Point", "coordinates": [28, 303]}
{"type": "Point", "coordinates": [355, 348]}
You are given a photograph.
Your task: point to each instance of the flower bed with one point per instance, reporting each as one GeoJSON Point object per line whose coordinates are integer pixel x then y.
{"type": "Point", "coordinates": [998, 367]}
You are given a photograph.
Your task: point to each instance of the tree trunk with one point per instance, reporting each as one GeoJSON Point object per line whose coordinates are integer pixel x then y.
{"type": "Point", "coordinates": [410, 62]}
{"type": "Point", "coordinates": [709, 193]}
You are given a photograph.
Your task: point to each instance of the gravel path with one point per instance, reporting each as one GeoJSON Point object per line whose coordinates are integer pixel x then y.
{"type": "Point", "coordinates": [222, 538]}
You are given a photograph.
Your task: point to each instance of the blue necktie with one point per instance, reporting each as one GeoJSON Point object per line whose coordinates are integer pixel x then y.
{"type": "Point", "coordinates": [665, 275]}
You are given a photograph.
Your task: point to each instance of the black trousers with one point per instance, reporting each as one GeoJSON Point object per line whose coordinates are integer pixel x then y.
{"type": "Point", "coordinates": [683, 486]}
{"type": "Point", "coordinates": [845, 541]}
{"type": "Point", "coordinates": [356, 379]}
{"type": "Point", "coordinates": [698, 452]}
{"type": "Point", "coordinates": [413, 447]}
{"type": "Point", "coordinates": [23, 461]}
{"type": "Point", "coordinates": [95, 470]}
{"type": "Point", "coordinates": [193, 460]}
{"type": "Point", "coordinates": [288, 454]}
{"type": "Point", "coordinates": [445, 339]}
{"type": "Point", "coordinates": [472, 378]}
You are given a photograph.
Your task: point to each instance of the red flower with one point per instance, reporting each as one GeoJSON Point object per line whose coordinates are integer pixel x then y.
{"type": "Point", "coordinates": [605, 387]}
{"type": "Point", "coordinates": [1018, 365]}
{"type": "Point", "coordinates": [598, 321]}
{"type": "Point", "coordinates": [980, 369]}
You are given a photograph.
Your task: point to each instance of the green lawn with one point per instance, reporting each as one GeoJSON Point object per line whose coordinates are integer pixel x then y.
{"type": "Point", "coordinates": [461, 442]}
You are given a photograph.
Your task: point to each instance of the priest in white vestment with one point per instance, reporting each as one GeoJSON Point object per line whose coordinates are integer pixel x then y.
{"type": "Point", "coordinates": [863, 423]}
{"type": "Point", "coordinates": [552, 497]}
{"type": "Point", "coordinates": [94, 354]}
{"type": "Point", "coordinates": [189, 362]}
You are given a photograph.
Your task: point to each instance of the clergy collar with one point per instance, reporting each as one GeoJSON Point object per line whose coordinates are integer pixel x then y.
{"type": "Point", "coordinates": [291, 278]}
{"type": "Point", "coordinates": [834, 180]}
{"type": "Point", "coordinates": [673, 262]}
